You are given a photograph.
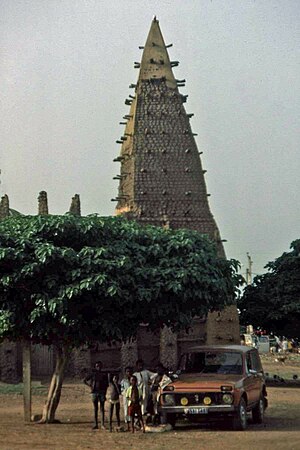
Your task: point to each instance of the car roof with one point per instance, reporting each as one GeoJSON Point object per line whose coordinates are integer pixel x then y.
{"type": "Point", "coordinates": [233, 348]}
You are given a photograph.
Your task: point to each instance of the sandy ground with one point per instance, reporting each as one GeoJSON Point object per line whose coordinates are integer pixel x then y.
{"type": "Point", "coordinates": [281, 429]}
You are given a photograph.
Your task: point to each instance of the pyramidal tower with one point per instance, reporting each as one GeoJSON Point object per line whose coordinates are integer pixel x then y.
{"type": "Point", "coordinates": [161, 179]}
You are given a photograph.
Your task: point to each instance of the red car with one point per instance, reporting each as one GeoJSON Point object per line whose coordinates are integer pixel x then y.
{"type": "Point", "coordinates": [216, 382]}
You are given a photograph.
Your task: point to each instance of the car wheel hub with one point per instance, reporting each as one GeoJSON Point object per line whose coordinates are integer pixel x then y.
{"type": "Point", "coordinates": [243, 415]}
{"type": "Point", "coordinates": [261, 407]}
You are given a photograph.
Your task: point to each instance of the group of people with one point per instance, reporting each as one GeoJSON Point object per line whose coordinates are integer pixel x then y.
{"type": "Point", "coordinates": [283, 345]}
{"type": "Point", "coordinates": [138, 390]}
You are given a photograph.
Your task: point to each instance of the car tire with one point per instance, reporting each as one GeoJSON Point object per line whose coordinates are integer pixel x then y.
{"type": "Point", "coordinates": [258, 411]}
{"type": "Point", "coordinates": [168, 418]}
{"type": "Point", "coordinates": [239, 421]}
{"type": "Point", "coordinates": [171, 419]}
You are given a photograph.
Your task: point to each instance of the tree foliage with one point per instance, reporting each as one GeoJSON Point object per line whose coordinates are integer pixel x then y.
{"type": "Point", "coordinates": [273, 300]}
{"type": "Point", "coordinates": [69, 281]}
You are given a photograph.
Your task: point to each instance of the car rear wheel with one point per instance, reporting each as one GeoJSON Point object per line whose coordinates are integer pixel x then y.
{"type": "Point", "coordinates": [258, 411]}
{"type": "Point", "coordinates": [239, 421]}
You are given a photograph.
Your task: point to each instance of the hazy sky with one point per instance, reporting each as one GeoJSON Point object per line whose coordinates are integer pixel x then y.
{"type": "Point", "coordinates": [65, 69]}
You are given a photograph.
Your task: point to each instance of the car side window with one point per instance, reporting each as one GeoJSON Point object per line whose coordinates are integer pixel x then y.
{"type": "Point", "coordinates": [255, 361]}
{"type": "Point", "coordinates": [183, 362]}
{"type": "Point", "coordinates": [248, 362]}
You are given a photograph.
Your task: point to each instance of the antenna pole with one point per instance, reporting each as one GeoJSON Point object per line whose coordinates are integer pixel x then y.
{"type": "Point", "coordinates": [249, 270]}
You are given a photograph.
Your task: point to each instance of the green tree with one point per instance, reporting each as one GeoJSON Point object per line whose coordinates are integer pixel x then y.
{"type": "Point", "coordinates": [69, 281]}
{"type": "Point", "coordinates": [273, 299]}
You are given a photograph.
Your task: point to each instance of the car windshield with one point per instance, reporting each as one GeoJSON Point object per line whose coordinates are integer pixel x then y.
{"type": "Point", "coordinates": [211, 362]}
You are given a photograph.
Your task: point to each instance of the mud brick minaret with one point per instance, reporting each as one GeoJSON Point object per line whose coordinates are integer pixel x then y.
{"type": "Point", "coordinates": [161, 180]}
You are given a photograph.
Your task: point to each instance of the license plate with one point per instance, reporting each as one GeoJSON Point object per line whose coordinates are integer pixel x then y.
{"type": "Point", "coordinates": [196, 411]}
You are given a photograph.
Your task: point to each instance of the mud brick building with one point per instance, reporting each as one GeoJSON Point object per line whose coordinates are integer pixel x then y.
{"type": "Point", "coordinates": [43, 357]}
{"type": "Point", "coordinates": [162, 183]}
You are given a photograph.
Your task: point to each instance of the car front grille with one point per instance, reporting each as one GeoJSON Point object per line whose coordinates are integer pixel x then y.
{"type": "Point", "coordinates": [197, 399]}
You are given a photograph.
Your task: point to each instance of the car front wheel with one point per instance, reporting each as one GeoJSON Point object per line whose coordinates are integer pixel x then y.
{"type": "Point", "coordinates": [168, 418]}
{"type": "Point", "coordinates": [258, 411]}
{"type": "Point", "coordinates": [171, 419]}
{"type": "Point", "coordinates": [239, 422]}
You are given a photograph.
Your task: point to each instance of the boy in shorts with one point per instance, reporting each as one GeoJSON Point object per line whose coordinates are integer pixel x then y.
{"type": "Point", "coordinates": [98, 383]}
{"type": "Point", "coordinates": [134, 396]}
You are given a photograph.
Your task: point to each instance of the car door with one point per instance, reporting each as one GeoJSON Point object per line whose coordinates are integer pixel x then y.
{"type": "Point", "coordinates": [259, 376]}
{"type": "Point", "coordinates": [251, 380]}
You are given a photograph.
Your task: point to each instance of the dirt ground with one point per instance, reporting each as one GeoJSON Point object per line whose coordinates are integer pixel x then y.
{"type": "Point", "coordinates": [281, 429]}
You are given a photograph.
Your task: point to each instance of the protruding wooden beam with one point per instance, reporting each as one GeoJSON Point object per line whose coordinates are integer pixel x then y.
{"type": "Point", "coordinates": [120, 197]}
{"type": "Point", "coordinates": [118, 159]}
{"type": "Point", "coordinates": [184, 98]}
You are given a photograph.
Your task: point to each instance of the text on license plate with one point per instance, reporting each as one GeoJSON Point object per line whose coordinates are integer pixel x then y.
{"type": "Point", "coordinates": [196, 411]}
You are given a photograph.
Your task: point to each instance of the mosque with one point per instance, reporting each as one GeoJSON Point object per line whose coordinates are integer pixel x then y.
{"type": "Point", "coordinates": [162, 183]}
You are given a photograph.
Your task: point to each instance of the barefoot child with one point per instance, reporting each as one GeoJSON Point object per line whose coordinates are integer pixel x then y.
{"type": "Point", "coordinates": [125, 383]}
{"type": "Point", "coordinates": [135, 396]}
{"type": "Point", "coordinates": [113, 397]}
{"type": "Point", "coordinates": [98, 382]}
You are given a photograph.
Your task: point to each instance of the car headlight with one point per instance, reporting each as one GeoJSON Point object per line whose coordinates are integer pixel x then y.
{"type": "Point", "coordinates": [184, 401]}
{"type": "Point", "coordinates": [227, 399]}
{"type": "Point", "coordinates": [169, 399]}
{"type": "Point", "coordinates": [207, 400]}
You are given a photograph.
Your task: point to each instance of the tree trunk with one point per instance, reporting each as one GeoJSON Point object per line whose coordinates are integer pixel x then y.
{"type": "Point", "coordinates": [51, 404]}
{"type": "Point", "coordinates": [27, 380]}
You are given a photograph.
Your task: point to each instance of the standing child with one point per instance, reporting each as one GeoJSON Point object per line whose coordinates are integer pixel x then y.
{"type": "Point", "coordinates": [135, 396]}
{"type": "Point", "coordinates": [125, 384]}
{"type": "Point", "coordinates": [98, 382]}
{"type": "Point", "coordinates": [113, 397]}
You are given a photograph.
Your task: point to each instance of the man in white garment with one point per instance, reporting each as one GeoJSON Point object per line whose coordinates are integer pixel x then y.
{"type": "Point", "coordinates": [144, 378]}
